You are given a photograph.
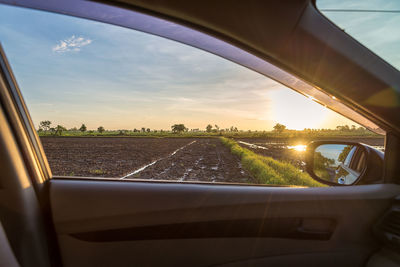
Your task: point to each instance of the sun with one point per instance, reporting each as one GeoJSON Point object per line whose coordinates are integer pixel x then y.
{"type": "Point", "coordinates": [299, 148]}
{"type": "Point", "coordinates": [296, 111]}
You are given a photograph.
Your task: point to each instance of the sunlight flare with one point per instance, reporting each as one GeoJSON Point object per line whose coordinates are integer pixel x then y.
{"type": "Point", "coordinates": [300, 148]}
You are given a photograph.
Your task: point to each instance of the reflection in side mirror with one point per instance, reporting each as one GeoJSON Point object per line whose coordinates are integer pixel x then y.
{"type": "Point", "coordinates": [339, 163]}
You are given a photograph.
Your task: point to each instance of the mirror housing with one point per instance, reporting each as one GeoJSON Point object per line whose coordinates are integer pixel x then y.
{"type": "Point", "coordinates": [344, 163]}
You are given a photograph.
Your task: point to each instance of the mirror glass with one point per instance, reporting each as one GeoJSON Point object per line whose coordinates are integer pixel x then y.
{"type": "Point", "coordinates": [339, 163]}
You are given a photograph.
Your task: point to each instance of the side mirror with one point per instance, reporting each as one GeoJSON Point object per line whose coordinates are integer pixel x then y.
{"type": "Point", "coordinates": [344, 163]}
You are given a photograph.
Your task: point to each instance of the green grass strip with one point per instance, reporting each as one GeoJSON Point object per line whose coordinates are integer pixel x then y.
{"type": "Point", "coordinates": [267, 170]}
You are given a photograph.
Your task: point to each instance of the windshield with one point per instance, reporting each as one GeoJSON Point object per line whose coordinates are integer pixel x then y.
{"type": "Point", "coordinates": [374, 23]}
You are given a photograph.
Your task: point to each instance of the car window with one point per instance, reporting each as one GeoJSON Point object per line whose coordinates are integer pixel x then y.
{"type": "Point", "coordinates": [350, 157]}
{"type": "Point", "coordinates": [359, 163]}
{"type": "Point", "coordinates": [355, 160]}
{"type": "Point", "coordinates": [374, 23]}
{"type": "Point", "coordinates": [113, 102]}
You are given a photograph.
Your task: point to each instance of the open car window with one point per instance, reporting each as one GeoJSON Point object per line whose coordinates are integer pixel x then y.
{"type": "Point", "coordinates": [113, 102]}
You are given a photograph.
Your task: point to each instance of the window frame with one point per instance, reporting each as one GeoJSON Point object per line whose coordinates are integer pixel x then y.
{"type": "Point", "coordinates": [22, 126]}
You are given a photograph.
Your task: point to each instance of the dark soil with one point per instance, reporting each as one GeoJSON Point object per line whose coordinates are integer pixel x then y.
{"type": "Point", "coordinates": [184, 159]}
{"type": "Point", "coordinates": [202, 160]}
{"type": "Point", "coordinates": [105, 156]}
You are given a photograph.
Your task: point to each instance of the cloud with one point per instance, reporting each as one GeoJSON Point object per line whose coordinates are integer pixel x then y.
{"type": "Point", "coordinates": [71, 44]}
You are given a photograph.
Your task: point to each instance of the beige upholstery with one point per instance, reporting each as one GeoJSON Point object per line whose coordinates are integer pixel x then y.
{"type": "Point", "coordinates": [7, 257]}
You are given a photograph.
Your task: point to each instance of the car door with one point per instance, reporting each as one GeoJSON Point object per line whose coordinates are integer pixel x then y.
{"type": "Point", "coordinates": [128, 222]}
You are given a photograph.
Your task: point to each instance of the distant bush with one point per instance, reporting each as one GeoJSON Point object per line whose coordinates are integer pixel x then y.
{"type": "Point", "coordinates": [178, 128]}
{"type": "Point", "coordinates": [100, 129]}
{"type": "Point", "coordinates": [279, 128]}
{"type": "Point", "coordinates": [83, 128]}
{"type": "Point", "coordinates": [59, 130]}
{"type": "Point", "coordinates": [45, 126]}
{"type": "Point", "coordinates": [267, 170]}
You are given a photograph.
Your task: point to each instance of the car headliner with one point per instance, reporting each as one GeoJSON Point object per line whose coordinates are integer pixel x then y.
{"type": "Point", "coordinates": [289, 41]}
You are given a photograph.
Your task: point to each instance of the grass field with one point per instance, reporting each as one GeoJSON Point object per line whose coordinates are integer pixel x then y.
{"type": "Point", "coordinates": [268, 170]}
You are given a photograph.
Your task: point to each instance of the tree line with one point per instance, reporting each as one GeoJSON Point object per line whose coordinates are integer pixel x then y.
{"type": "Point", "coordinates": [46, 127]}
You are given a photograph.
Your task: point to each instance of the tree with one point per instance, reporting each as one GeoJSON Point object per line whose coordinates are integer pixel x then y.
{"type": "Point", "coordinates": [100, 129]}
{"type": "Point", "coordinates": [217, 127]}
{"type": "Point", "coordinates": [148, 130]}
{"type": "Point", "coordinates": [321, 165]}
{"type": "Point", "coordinates": [59, 129]}
{"type": "Point", "coordinates": [344, 128]}
{"type": "Point", "coordinates": [83, 128]}
{"type": "Point", "coordinates": [209, 128]}
{"type": "Point", "coordinates": [233, 129]}
{"type": "Point", "coordinates": [45, 125]}
{"type": "Point", "coordinates": [343, 155]}
{"type": "Point", "coordinates": [279, 128]}
{"type": "Point", "coordinates": [321, 162]}
{"type": "Point", "coordinates": [143, 129]}
{"type": "Point", "coordinates": [178, 128]}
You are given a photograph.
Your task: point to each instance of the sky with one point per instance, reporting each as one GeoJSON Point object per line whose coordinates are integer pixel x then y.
{"type": "Point", "coordinates": [73, 71]}
{"type": "Point", "coordinates": [331, 151]}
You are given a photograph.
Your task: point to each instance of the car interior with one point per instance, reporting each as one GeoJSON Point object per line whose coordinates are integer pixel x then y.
{"type": "Point", "coordinates": [63, 221]}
